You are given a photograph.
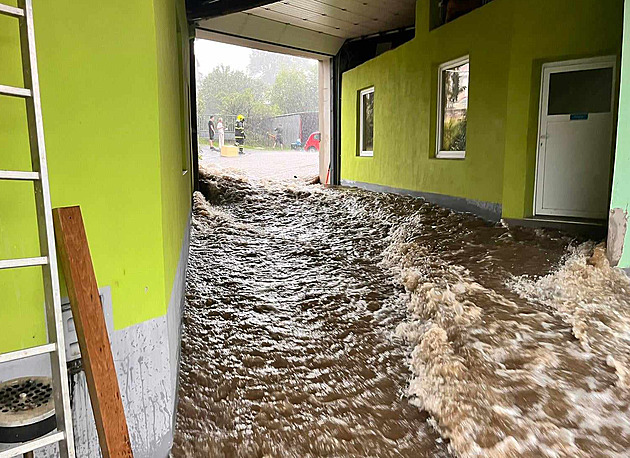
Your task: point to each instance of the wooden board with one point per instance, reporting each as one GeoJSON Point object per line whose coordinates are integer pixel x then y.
{"type": "Point", "coordinates": [96, 353]}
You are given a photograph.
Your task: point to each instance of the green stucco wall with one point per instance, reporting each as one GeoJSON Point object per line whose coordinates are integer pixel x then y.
{"type": "Point", "coordinates": [507, 41]}
{"type": "Point", "coordinates": [109, 144]}
{"type": "Point", "coordinates": [546, 31]}
{"type": "Point", "coordinates": [621, 179]}
{"type": "Point", "coordinates": [176, 175]}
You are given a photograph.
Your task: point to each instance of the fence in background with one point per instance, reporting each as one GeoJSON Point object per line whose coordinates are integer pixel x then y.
{"type": "Point", "coordinates": [261, 132]}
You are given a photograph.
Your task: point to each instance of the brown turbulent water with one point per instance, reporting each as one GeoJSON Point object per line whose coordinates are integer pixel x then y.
{"type": "Point", "coordinates": [336, 323]}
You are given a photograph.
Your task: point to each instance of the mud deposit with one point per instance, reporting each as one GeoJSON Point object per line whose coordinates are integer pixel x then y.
{"type": "Point", "coordinates": [347, 323]}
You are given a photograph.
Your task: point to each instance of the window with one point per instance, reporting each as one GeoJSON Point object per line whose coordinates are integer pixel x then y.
{"type": "Point", "coordinates": [582, 91]}
{"type": "Point", "coordinates": [366, 127]}
{"type": "Point", "coordinates": [453, 81]}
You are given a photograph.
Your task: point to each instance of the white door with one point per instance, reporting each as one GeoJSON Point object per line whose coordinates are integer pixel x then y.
{"type": "Point", "coordinates": [575, 138]}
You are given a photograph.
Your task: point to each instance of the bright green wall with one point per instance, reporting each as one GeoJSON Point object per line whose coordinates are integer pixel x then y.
{"type": "Point", "coordinates": [546, 31]}
{"type": "Point", "coordinates": [176, 187]}
{"type": "Point", "coordinates": [507, 41]}
{"type": "Point", "coordinates": [405, 82]}
{"type": "Point", "coordinates": [100, 81]}
{"type": "Point", "coordinates": [621, 180]}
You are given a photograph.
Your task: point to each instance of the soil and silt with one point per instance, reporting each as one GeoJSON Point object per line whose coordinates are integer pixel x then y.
{"type": "Point", "coordinates": [337, 322]}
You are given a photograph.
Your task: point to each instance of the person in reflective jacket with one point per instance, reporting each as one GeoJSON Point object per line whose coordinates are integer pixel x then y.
{"type": "Point", "coordinates": [239, 133]}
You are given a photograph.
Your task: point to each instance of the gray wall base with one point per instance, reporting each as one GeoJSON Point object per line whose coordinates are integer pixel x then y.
{"type": "Point", "coordinates": [486, 210]}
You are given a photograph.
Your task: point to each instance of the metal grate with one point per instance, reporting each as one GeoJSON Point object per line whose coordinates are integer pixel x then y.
{"type": "Point", "coordinates": [25, 400]}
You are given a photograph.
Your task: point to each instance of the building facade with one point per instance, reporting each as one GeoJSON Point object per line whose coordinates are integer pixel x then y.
{"type": "Point", "coordinates": [523, 60]}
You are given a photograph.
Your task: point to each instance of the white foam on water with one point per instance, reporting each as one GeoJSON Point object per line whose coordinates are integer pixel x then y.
{"type": "Point", "coordinates": [503, 377]}
{"type": "Point", "coordinates": [594, 299]}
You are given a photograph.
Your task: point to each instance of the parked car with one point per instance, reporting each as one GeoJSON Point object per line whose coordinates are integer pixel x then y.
{"type": "Point", "coordinates": [312, 143]}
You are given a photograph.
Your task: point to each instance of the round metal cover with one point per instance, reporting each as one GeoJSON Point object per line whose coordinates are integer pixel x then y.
{"type": "Point", "coordinates": [25, 401]}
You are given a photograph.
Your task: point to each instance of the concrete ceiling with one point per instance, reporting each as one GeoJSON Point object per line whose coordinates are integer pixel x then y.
{"type": "Point", "coordinates": [308, 26]}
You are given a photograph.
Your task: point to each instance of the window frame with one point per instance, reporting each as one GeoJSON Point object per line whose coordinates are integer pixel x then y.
{"type": "Point", "coordinates": [439, 153]}
{"type": "Point", "coordinates": [362, 152]}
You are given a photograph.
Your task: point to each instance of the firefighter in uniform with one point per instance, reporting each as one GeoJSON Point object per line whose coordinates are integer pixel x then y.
{"type": "Point", "coordinates": [239, 133]}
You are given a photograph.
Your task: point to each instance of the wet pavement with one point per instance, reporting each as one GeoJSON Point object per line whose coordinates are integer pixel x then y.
{"type": "Point", "coordinates": [268, 164]}
{"type": "Point", "coordinates": [338, 322]}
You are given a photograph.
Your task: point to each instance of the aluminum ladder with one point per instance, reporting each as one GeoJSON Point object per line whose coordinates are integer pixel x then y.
{"type": "Point", "coordinates": [48, 256]}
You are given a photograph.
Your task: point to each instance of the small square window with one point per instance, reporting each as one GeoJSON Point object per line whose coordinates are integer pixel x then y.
{"type": "Point", "coordinates": [453, 83]}
{"type": "Point", "coordinates": [366, 123]}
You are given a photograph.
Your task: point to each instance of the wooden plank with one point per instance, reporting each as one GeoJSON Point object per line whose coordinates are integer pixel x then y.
{"type": "Point", "coordinates": [76, 262]}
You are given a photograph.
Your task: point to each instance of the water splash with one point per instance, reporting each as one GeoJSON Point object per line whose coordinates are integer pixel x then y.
{"type": "Point", "coordinates": [594, 299]}
{"type": "Point", "coordinates": [501, 374]}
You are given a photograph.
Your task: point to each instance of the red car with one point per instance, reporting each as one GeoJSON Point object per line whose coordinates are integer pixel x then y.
{"type": "Point", "coordinates": [313, 142]}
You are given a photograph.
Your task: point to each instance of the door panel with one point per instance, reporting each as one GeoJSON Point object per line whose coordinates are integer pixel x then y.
{"type": "Point", "coordinates": [577, 167]}
{"type": "Point", "coordinates": [575, 147]}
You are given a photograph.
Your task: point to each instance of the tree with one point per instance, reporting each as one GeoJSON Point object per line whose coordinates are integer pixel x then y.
{"type": "Point", "coordinates": [223, 84]}
{"type": "Point", "coordinates": [293, 88]}
{"type": "Point", "coordinates": [295, 91]}
{"type": "Point", "coordinates": [266, 66]}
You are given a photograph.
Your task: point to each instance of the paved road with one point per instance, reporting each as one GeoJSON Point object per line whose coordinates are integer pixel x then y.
{"type": "Point", "coordinates": [266, 164]}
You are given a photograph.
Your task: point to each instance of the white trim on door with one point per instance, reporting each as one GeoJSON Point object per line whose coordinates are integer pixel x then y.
{"type": "Point", "coordinates": [547, 70]}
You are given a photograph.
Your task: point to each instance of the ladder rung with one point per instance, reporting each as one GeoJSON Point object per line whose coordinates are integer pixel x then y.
{"type": "Point", "coordinates": [15, 175]}
{"type": "Point", "coordinates": [14, 91]}
{"type": "Point", "coordinates": [11, 10]}
{"type": "Point", "coordinates": [26, 447]}
{"type": "Point", "coordinates": [25, 262]}
{"type": "Point", "coordinates": [27, 352]}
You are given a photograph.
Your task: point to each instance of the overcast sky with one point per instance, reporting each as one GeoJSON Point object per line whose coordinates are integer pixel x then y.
{"type": "Point", "coordinates": [211, 54]}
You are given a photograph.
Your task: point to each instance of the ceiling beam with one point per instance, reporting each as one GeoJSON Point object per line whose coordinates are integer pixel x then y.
{"type": "Point", "coordinates": [197, 10]}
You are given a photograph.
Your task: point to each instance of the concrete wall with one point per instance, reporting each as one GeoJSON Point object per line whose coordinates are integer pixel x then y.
{"type": "Point", "coordinates": [113, 80]}
{"type": "Point", "coordinates": [507, 41]}
{"type": "Point", "coordinates": [618, 234]}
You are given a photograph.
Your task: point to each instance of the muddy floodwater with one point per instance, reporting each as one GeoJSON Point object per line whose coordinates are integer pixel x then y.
{"type": "Point", "coordinates": [338, 322]}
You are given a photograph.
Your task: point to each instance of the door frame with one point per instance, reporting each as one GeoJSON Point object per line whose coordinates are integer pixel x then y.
{"type": "Point", "coordinates": [591, 63]}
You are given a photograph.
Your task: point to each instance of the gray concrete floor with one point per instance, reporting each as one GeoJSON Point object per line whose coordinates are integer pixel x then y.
{"type": "Point", "coordinates": [282, 165]}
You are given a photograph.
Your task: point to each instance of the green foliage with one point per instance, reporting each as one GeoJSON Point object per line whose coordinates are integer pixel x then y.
{"type": "Point", "coordinates": [230, 92]}
{"type": "Point", "coordinates": [276, 84]}
{"type": "Point", "coordinates": [295, 90]}
{"type": "Point", "coordinates": [221, 86]}
{"type": "Point", "coordinates": [247, 103]}
{"type": "Point", "coordinates": [454, 135]}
